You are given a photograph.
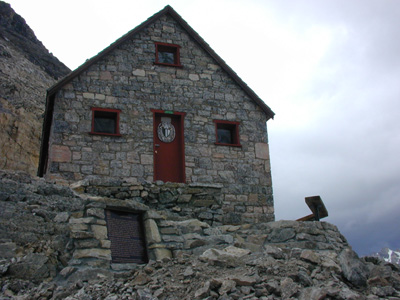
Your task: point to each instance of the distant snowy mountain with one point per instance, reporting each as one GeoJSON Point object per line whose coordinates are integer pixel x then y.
{"type": "Point", "coordinates": [389, 255]}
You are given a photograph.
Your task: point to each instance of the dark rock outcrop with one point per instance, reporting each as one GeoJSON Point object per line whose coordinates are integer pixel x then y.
{"type": "Point", "coordinates": [34, 237]}
{"type": "Point", "coordinates": [27, 69]}
{"type": "Point", "coordinates": [14, 29]}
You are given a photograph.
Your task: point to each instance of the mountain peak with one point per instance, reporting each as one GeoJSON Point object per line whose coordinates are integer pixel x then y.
{"type": "Point", "coordinates": [389, 255]}
{"type": "Point", "coordinates": [15, 30]}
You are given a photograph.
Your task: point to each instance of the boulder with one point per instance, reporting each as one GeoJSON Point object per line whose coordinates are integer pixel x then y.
{"type": "Point", "coordinates": [33, 266]}
{"type": "Point", "coordinates": [354, 270]}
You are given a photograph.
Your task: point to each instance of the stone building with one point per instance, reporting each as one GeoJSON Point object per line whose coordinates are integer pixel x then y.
{"type": "Point", "coordinates": [159, 108]}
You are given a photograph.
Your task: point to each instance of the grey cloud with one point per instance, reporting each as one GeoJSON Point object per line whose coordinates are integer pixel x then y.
{"type": "Point", "coordinates": [350, 156]}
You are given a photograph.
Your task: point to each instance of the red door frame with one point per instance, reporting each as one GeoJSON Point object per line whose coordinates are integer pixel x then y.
{"type": "Point", "coordinates": [182, 137]}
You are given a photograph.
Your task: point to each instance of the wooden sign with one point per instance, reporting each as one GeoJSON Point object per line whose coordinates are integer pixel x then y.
{"type": "Point", "coordinates": [317, 207]}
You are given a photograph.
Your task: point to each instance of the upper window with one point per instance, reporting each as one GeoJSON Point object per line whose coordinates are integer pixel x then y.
{"type": "Point", "coordinates": [227, 133]}
{"type": "Point", "coordinates": [167, 54]}
{"type": "Point", "coordinates": [105, 121]}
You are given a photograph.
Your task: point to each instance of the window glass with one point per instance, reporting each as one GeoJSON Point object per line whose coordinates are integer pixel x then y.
{"type": "Point", "coordinates": [224, 136]}
{"type": "Point", "coordinates": [167, 54]}
{"type": "Point", "coordinates": [166, 57]}
{"type": "Point", "coordinates": [227, 133]}
{"type": "Point", "coordinates": [105, 122]}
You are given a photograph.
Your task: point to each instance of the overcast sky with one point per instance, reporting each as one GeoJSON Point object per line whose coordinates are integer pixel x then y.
{"type": "Point", "coordinates": [329, 69]}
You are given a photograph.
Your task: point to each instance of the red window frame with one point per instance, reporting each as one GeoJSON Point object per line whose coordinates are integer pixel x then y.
{"type": "Point", "coordinates": [231, 125]}
{"type": "Point", "coordinates": [106, 110]}
{"type": "Point", "coordinates": [172, 48]}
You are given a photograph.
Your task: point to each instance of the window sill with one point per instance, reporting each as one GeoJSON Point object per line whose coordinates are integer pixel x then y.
{"type": "Point", "coordinates": [231, 145]}
{"type": "Point", "coordinates": [106, 134]}
{"type": "Point", "coordinates": [168, 65]}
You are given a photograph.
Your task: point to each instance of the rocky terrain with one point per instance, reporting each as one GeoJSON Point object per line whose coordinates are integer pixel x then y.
{"type": "Point", "coordinates": [27, 69]}
{"type": "Point", "coordinates": [271, 274]}
{"type": "Point", "coordinates": [37, 258]}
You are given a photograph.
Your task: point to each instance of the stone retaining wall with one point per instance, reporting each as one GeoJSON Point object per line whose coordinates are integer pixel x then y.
{"type": "Point", "coordinates": [205, 201]}
{"type": "Point", "coordinates": [176, 201]}
{"type": "Point", "coordinates": [47, 229]}
{"type": "Point", "coordinates": [171, 231]}
{"type": "Point", "coordinates": [175, 238]}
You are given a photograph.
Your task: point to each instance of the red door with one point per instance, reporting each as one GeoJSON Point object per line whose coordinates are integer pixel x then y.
{"type": "Point", "coordinates": [168, 147]}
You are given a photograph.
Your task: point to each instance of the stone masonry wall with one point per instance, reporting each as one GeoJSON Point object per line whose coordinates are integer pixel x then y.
{"type": "Point", "coordinates": [127, 79]}
{"type": "Point", "coordinates": [47, 230]}
{"type": "Point", "coordinates": [172, 230]}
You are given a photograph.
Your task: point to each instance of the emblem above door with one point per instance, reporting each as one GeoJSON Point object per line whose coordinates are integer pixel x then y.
{"type": "Point", "coordinates": [165, 130]}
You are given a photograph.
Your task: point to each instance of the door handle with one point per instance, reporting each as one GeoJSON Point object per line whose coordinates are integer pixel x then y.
{"type": "Point", "coordinates": [157, 145]}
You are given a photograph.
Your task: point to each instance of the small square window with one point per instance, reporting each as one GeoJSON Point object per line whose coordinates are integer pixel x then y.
{"type": "Point", "coordinates": [227, 133]}
{"type": "Point", "coordinates": [167, 54]}
{"type": "Point", "coordinates": [105, 121]}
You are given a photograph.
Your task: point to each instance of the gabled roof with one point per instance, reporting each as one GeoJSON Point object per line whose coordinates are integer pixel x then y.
{"type": "Point", "coordinates": [167, 10]}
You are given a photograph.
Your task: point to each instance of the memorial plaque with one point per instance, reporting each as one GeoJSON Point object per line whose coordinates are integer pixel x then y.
{"type": "Point", "coordinates": [125, 231]}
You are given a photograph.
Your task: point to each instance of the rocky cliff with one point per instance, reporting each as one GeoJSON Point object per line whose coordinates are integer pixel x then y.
{"type": "Point", "coordinates": [27, 69]}
{"type": "Point", "coordinates": [39, 242]}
